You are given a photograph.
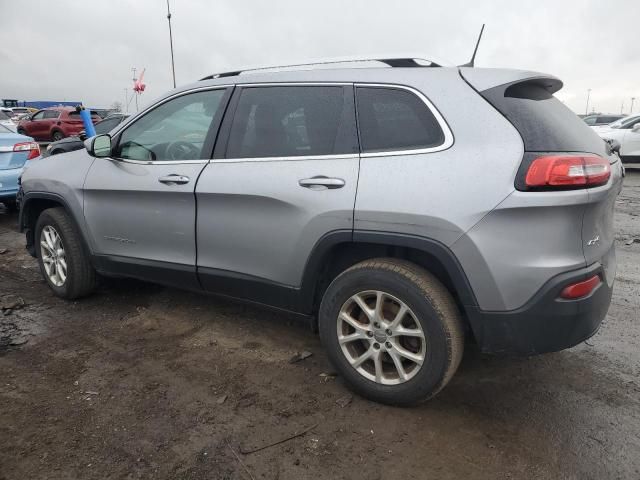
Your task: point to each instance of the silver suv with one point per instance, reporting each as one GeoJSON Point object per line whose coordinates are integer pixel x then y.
{"type": "Point", "coordinates": [405, 207]}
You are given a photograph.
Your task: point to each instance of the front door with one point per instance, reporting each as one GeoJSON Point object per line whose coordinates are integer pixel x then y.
{"type": "Point", "coordinates": [140, 204]}
{"type": "Point", "coordinates": [36, 128]}
{"type": "Point", "coordinates": [284, 175]}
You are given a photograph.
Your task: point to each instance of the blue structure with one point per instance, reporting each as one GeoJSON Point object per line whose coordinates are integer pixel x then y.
{"type": "Point", "coordinates": [40, 104]}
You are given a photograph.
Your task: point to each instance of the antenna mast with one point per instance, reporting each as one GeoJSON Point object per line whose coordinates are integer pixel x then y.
{"type": "Point", "coordinates": [475, 50]}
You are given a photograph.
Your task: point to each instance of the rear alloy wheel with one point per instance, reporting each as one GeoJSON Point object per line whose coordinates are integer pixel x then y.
{"type": "Point", "coordinates": [392, 330]}
{"type": "Point", "coordinates": [381, 338]}
{"type": "Point", "coordinates": [63, 258]}
{"type": "Point", "coordinates": [57, 136]}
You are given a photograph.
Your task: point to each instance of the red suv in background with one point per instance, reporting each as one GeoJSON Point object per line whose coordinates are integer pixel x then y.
{"type": "Point", "coordinates": [54, 123]}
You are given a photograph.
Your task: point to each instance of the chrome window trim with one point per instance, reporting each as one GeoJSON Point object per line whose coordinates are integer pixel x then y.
{"type": "Point", "coordinates": [447, 143]}
{"type": "Point", "coordinates": [344, 156]}
{"type": "Point", "coordinates": [448, 135]}
{"type": "Point", "coordinates": [125, 124]}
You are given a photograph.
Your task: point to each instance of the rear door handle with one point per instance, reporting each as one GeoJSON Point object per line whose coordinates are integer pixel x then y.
{"type": "Point", "coordinates": [174, 179]}
{"type": "Point", "coordinates": [321, 182]}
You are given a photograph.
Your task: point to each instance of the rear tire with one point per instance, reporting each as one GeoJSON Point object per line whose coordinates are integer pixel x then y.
{"type": "Point", "coordinates": [63, 258]}
{"type": "Point", "coordinates": [56, 136]}
{"type": "Point", "coordinates": [410, 361]}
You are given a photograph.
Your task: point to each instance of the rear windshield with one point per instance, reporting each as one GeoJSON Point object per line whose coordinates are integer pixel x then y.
{"type": "Point", "coordinates": [545, 124]}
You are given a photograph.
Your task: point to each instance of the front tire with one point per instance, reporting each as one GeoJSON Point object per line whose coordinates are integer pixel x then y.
{"type": "Point", "coordinates": [63, 259]}
{"type": "Point", "coordinates": [392, 330]}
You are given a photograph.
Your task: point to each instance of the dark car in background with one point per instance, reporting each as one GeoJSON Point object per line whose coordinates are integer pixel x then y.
{"type": "Point", "coordinates": [70, 144]}
{"type": "Point", "coordinates": [53, 124]}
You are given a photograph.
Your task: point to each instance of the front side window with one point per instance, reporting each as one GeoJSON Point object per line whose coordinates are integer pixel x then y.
{"type": "Point", "coordinates": [291, 121]}
{"type": "Point", "coordinates": [175, 130]}
{"type": "Point", "coordinates": [395, 119]}
{"type": "Point", "coordinates": [590, 120]}
{"type": "Point", "coordinates": [50, 114]}
{"type": "Point", "coordinates": [39, 115]}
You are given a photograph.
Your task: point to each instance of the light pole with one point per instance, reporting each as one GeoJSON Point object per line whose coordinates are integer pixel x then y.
{"type": "Point", "coordinates": [586, 110]}
{"type": "Point", "coordinates": [633, 99]}
{"type": "Point", "coordinates": [173, 68]}
{"type": "Point", "coordinates": [126, 101]}
{"type": "Point", "coordinates": [134, 83]}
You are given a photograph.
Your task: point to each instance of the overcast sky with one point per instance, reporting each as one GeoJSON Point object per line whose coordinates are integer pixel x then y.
{"type": "Point", "coordinates": [85, 49]}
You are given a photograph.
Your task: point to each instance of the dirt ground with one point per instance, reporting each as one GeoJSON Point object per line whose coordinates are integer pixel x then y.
{"type": "Point", "coordinates": [141, 381]}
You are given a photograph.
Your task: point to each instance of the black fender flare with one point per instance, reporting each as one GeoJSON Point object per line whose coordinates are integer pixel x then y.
{"type": "Point", "coordinates": [54, 197]}
{"type": "Point", "coordinates": [430, 246]}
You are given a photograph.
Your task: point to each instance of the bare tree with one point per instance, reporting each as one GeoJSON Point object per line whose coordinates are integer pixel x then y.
{"type": "Point", "coordinates": [116, 106]}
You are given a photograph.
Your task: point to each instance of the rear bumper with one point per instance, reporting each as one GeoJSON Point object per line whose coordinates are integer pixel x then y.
{"type": "Point", "coordinates": [546, 323]}
{"type": "Point", "coordinates": [9, 182]}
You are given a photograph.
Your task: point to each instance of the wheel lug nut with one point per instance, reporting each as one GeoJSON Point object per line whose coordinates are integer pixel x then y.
{"type": "Point", "coordinates": [370, 334]}
{"type": "Point", "coordinates": [388, 344]}
{"type": "Point", "coordinates": [376, 324]}
{"type": "Point", "coordinates": [389, 332]}
{"type": "Point", "coordinates": [376, 346]}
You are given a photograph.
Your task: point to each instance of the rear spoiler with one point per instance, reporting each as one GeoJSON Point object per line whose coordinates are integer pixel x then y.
{"type": "Point", "coordinates": [483, 79]}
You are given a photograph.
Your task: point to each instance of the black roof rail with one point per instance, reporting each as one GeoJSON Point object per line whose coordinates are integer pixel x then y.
{"type": "Point", "coordinates": [391, 61]}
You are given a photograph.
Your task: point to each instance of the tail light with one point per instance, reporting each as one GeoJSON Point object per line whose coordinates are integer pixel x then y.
{"type": "Point", "coordinates": [580, 289]}
{"type": "Point", "coordinates": [568, 171]}
{"type": "Point", "coordinates": [32, 147]}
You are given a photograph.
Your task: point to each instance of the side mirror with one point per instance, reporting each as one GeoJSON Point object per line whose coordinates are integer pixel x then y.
{"type": "Point", "coordinates": [636, 128]}
{"type": "Point", "coordinates": [614, 145]}
{"type": "Point", "coordinates": [82, 135]}
{"type": "Point", "coordinates": [99, 146]}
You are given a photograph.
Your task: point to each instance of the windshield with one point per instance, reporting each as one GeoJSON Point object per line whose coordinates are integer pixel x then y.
{"type": "Point", "coordinates": [3, 115]}
{"type": "Point", "coordinates": [4, 129]}
{"type": "Point", "coordinates": [623, 122]}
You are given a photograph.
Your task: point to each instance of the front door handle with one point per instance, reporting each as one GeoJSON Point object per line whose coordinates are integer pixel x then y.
{"type": "Point", "coordinates": [174, 179]}
{"type": "Point", "coordinates": [321, 182]}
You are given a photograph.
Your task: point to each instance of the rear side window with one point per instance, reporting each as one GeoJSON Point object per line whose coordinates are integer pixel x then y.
{"type": "Point", "coordinates": [51, 114]}
{"type": "Point", "coordinates": [545, 124]}
{"type": "Point", "coordinates": [292, 121]}
{"type": "Point", "coordinates": [395, 119]}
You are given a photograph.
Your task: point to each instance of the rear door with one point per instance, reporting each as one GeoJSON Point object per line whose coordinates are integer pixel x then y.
{"type": "Point", "coordinates": [283, 176]}
{"type": "Point", "coordinates": [140, 205]}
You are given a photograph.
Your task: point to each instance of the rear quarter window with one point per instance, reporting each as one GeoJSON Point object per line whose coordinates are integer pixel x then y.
{"type": "Point", "coordinates": [395, 119]}
{"type": "Point", "coordinates": [544, 122]}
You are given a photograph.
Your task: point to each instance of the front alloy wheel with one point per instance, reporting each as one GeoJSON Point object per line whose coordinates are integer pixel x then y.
{"type": "Point", "coordinates": [64, 261]}
{"type": "Point", "coordinates": [53, 256]}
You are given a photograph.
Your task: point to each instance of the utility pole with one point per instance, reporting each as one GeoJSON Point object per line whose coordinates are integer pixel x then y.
{"type": "Point", "coordinates": [134, 82]}
{"type": "Point", "coordinates": [622, 107]}
{"type": "Point", "coordinates": [173, 68]}
{"type": "Point", "coordinates": [586, 110]}
{"type": "Point", "coordinates": [126, 101]}
{"type": "Point", "coordinates": [633, 99]}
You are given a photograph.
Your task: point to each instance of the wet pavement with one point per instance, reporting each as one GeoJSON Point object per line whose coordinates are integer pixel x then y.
{"type": "Point", "coordinates": [141, 381]}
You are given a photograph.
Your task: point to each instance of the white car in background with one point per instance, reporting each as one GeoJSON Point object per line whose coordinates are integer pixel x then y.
{"type": "Point", "coordinates": [6, 121]}
{"type": "Point", "coordinates": [627, 132]}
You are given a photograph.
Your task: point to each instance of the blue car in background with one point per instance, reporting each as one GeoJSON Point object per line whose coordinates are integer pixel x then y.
{"type": "Point", "coordinates": [15, 150]}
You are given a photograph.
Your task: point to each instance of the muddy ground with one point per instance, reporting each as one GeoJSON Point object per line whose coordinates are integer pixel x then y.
{"type": "Point", "coordinates": [141, 381]}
